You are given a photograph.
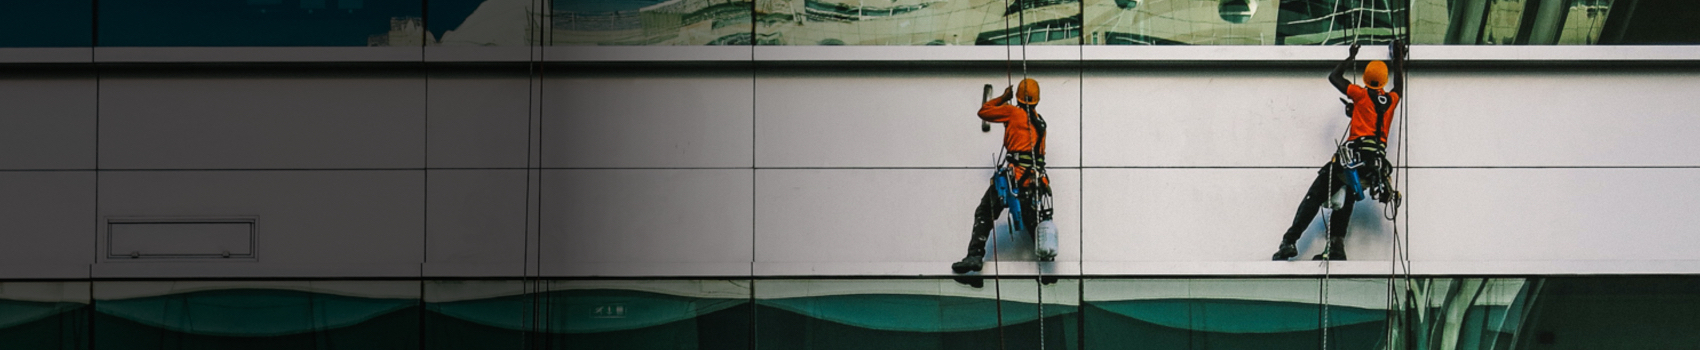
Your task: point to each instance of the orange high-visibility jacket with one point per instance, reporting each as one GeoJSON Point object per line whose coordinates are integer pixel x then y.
{"type": "Point", "coordinates": [1018, 133]}
{"type": "Point", "coordinates": [1366, 106]}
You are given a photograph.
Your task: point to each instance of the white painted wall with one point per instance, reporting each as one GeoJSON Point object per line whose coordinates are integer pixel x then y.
{"type": "Point", "coordinates": [835, 169]}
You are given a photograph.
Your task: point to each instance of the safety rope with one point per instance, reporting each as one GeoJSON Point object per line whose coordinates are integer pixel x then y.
{"type": "Point", "coordinates": [997, 275]}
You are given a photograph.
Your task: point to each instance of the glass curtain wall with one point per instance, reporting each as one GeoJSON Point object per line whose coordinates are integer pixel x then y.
{"type": "Point", "coordinates": [396, 23]}
{"type": "Point", "coordinates": [1433, 313]}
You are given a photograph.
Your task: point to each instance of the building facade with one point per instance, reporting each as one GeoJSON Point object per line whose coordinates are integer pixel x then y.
{"type": "Point", "coordinates": [800, 174]}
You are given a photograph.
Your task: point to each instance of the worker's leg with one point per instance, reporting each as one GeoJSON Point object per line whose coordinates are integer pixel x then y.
{"type": "Point", "coordinates": [1318, 193]}
{"type": "Point", "coordinates": [984, 216]}
{"type": "Point", "coordinates": [1337, 224]}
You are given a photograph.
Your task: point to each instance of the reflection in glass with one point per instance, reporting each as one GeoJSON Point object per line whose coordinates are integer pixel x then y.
{"type": "Point", "coordinates": [1236, 313]}
{"type": "Point", "coordinates": [483, 22]}
{"type": "Point", "coordinates": [257, 314]}
{"type": "Point", "coordinates": [44, 315]}
{"type": "Point", "coordinates": [261, 23]}
{"type": "Point", "coordinates": [651, 22]}
{"type": "Point", "coordinates": [1181, 22]}
{"type": "Point", "coordinates": [918, 22]}
{"type": "Point", "coordinates": [58, 23]}
{"type": "Point", "coordinates": [656, 314]}
{"type": "Point", "coordinates": [915, 314]}
{"type": "Point", "coordinates": [1528, 22]}
{"type": "Point", "coordinates": [1339, 22]}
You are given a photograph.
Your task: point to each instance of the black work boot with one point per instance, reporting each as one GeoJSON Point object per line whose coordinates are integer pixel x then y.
{"type": "Point", "coordinates": [1286, 252]}
{"type": "Point", "coordinates": [1336, 250]}
{"type": "Point", "coordinates": [972, 262]}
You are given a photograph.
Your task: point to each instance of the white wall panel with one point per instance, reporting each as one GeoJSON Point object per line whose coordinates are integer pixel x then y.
{"type": "Point", "coordinates": [202, 120]}
{"type": "Point", "coordinates": [46, 224]}
{"type": "Point", "coordinates": [899, 117]}
{"type": "Point", "coordinates": [310, 223]}
{"type": "Point", "coordinates": [1210, 117]}
{"type": "Point", "coordinates": [656, 118]}
{"type": "Point", "coordinates": [1555, 220]}
{"type": "Point", "coordinates": [1554, 118]}
{"type": "Point", "coordinates": [647, 222]}
{"type": "Point", "coordinates": [48, 121]}
{"type": "Point", "coordinates": [478, 118]}
{"type": "Point", "coordinates": [475, 222]}
{"type": "Point", "coordinates": [892, 222]}
{"type": "Point", "coordinates": [1211, 221]}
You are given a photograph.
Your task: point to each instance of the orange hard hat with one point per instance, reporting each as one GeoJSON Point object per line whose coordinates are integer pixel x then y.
{"type": "Point", "coordinates": [1027, 92]}
{"type": "Point", "coordinates": [1375, 75]}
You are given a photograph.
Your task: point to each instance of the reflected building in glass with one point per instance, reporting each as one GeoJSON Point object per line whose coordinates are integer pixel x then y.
{"type": "Point", "coordinates": [918, 22]}
{"type": "Point", "coordinates": [645, 22]}
{"type": "Point", "coordinates": [1517, 22]}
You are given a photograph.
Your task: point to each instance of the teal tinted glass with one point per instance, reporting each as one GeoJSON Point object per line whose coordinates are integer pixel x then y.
{"type": "Point", "coordinates": [916, 314]}
{"type": "Point", "coordinates": [67, 23]}
{"type": "Point", "coordinates": [257, 315]}
{"type": "Point", "coordinates": [44, 315]}
{"type": "Point", "coordinates": [664, 314]}
{"type": "Point", "coordinates": [1236, 313]}
{"type": "Point", "coordinates": [261, 23]}
{"type": "Point", "coordinates": [483, 22]}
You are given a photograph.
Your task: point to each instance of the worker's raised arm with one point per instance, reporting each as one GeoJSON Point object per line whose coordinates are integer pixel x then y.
{"type": "Point", "coordinates": [1399, 51]}
{"type": "Point", "coordinates": [1338, 77]}
{"type": "Point", "coordinates": [998, 110]}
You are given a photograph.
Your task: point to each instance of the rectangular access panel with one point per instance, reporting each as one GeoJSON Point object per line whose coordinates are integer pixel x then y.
{"type": "Point", "coordinates": [223, 238]}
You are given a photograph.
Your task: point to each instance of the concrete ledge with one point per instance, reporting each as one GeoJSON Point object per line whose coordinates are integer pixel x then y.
{"type": "Point", "coordinates": [482, 53]}
{"type": "Point", "coordinates": [255, 54]}
{"type": "Point", "coordinates": [650, 269]}
{"type": "Point", "coordinates": [253, 270]}
{"type": "Point", "coordinates": [1458, 54]}
{"type": "Point", "coordinates": [17, 271]}
{"type": "Point", "coordinates": [911, 269]}
{"type": "Point", "coordinates": [646, 53]}
{"type": "Point", "coordinates": [47, 55]}
{"type": "Point", "coordinates": [1236, 268]}
{"type": "Point", "coordinates": [915, 53]}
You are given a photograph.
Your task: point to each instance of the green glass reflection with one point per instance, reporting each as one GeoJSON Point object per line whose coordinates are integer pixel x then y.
{"type": "Point", "coordinates": [1243, 22]}
{"type": "Point", "coordinates": [916, 314]}
{"type": "Point", "coordinates": [483, 22]}
{"type": "Point", "coordinates": [1235, 313]}
{"type": "Point", "coordinates": [260, 23]}
{"type": "Point", "coordinates": [918, 22]}
{"type": "Point", "coordinates": [257, 314]}
{"type": "Point", "coordinates": [60, 23]}
{"type": "Point", "coordinates": [651, 22]}
{"type": "Point", "coordinates": [44, 315]}
{"type": "Point", "coordinates": [1534, 22]}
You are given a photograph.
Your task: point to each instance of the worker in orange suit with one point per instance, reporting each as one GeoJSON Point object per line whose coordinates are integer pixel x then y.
{"type": "Point", "coordinates": [1022, 171]}
{"type": "Point", "coordinates": [1361, 162]}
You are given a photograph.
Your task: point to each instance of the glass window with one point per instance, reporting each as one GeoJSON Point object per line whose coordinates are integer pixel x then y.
{"type": "Point", "coordinates": [258, 314]}
{"type": "Point", "coordinates": [654, 314]}
{"type": "Point", "coordinates": [1243, 22]}
{"type": "Point", "coordinates": [916, 314]}
{"type": "Point", "coordinates": [477, 314]}
{"type": "Point", "coordinates": [483, 22]}
{"type": "Point", "coordinates": [1235, 313]}
{"type": "Point", "coordinates": [918, 22]}
{"type": "Point", "coordinates": [60, 23]}
{"type": "Point", "coordinates": [261, 23]}
{"type": "Point", "coordinates": [651, 22]}
{"type": "Point", "coordinates": [1569, 22]}
{"type": "Point", "coordinates": [44, 315]}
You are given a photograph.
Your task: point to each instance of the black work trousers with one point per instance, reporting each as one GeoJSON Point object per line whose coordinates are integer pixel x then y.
{"type": "Point", "coordinates": [986, 215]}
{"type": "Point", "coordinates": [1331, 178]}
